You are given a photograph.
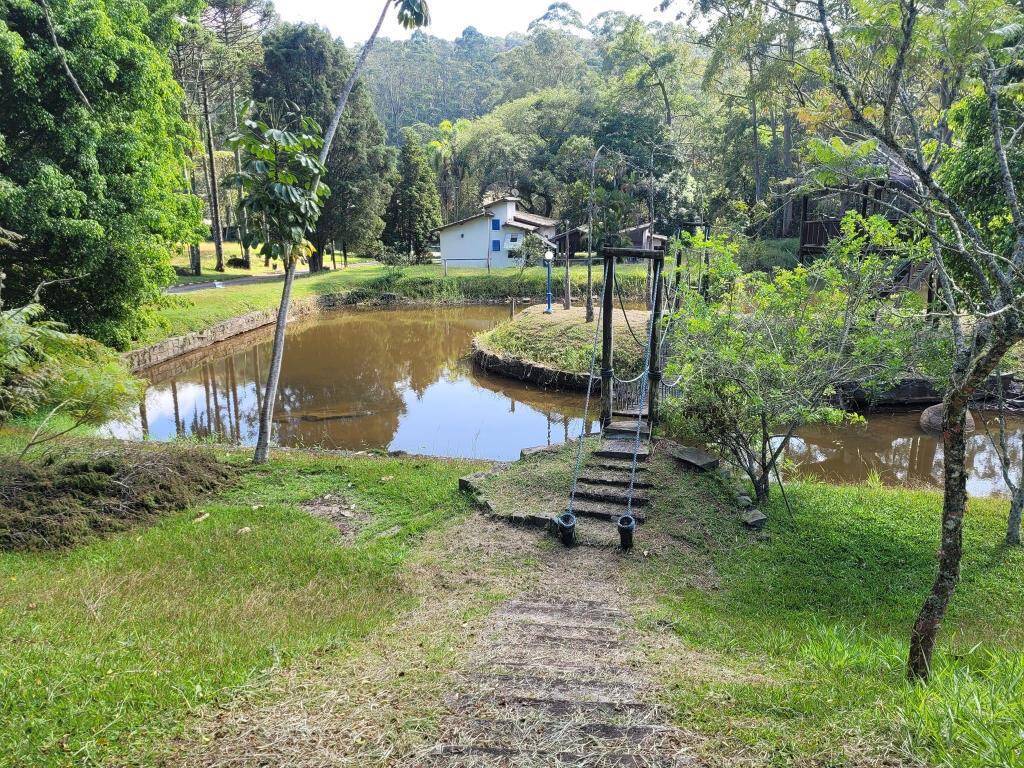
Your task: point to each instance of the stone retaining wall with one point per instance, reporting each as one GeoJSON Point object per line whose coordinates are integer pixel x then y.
{"type": "Point", "coordinates": [533, 373]}
{"type": "Point", "coordinates": [147, 357]}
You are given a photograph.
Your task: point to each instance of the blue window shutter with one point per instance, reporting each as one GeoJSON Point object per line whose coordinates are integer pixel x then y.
{"type": "Point", "coordinates": [495, 224]}
{"type": "Point", "coordinates": [495, 245]}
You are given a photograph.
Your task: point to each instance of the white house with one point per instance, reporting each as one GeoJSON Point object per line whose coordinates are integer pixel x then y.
{"type": "Point", "coordinates": [487, 237]}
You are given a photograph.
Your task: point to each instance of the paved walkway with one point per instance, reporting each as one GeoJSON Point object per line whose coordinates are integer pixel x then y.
{"type": "Point", "coordinates": [230, 282]}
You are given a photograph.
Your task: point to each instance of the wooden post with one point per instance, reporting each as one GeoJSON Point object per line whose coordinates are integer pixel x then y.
{"type": "Point", "coordinates": [654, 359]}
{"type": "Point", "coordinates": [567, 301]}
{"type": "Point", "coordinates": [678, 276]}
{"type": "Point", "coordinates": [607, 372]}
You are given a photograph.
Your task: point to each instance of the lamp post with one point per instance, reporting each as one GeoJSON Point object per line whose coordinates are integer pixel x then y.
{"type": "Point", "coordinates": [549, 258]}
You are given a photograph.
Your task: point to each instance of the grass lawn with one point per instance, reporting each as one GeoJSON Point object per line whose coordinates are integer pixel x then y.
{"type": "Point", "coordinates": [791, 644]}
{"type": "Point", "coordinates": [179, 314]}
{"type": "Point", "coordinates": [107, 647]}
{"type": "Point", "coordinates": [564, 340]}
{"type": "Point", "coordinates": [799, 637]}
{"type": "Point", "coordinates": [208, 259]}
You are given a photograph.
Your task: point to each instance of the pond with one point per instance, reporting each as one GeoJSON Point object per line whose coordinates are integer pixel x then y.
{"type": "Point", "coordinates": [396, 379]}
{"type": "Point", "coordinates": [893, 446]}
{"type": "Point", "coordinates": [401, 379]}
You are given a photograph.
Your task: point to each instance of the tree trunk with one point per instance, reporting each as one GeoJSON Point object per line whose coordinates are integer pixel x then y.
{"type": "Point", "coordinates": [926, 627]}
{"type": "Point", "coordinates": [1013, 526]}
{"type": "Point", "coordinates": [755, 136]}
{"type": "Point", "coordinates": [243, 217]}
{"type": "Point", "coordinates": [218, 244]}
{"type": "Point", "coordinates": [346, 91]}
{"type": "Point", "coordinates": [344, 255]}
{"type": "Point", "coordinates": [195, 262]}
{"type": "Point", "coordinates": [262, 452]}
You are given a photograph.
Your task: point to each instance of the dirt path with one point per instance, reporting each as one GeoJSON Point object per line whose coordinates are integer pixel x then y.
{"type": "Point", "coordinates": [519, 654]}
{"type": "Point", "coordinates": [558, 678]}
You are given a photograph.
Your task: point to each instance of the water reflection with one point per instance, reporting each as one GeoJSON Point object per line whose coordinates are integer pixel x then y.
{"type": "Point", "coordinates": [401, 380]}
{"type": "Point", "coordinates": [397, 379]}
{"type": "Point", "coordinates": [893, 445]}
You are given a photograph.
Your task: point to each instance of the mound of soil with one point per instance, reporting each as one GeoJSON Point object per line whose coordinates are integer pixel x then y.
{"type": "Point", "coordinates": [54, 504]}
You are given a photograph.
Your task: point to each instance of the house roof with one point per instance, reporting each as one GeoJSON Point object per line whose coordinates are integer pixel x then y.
{"type": "Point", "coordinates": [534, 219]}
{"type": "Point", "coordinates": [462, 221]}
{"type": "Point", "coordinates": [519, 225]}
{"type": "Point", "coordinates": [641, 228]}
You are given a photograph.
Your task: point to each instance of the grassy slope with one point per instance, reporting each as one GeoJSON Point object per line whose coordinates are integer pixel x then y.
{"type": "Point", "coordinates": [793, 642]}
{"type": "Point", "coordinates": [564, 340]}
{"type": "Point", "coordinates": [105, 648]}
{"type": "Point", "coordinates": [811, 626]}
{"type": "Point", "coordinates": [195, 311]}
{"type": "Point", "coordinates": [208, 259]}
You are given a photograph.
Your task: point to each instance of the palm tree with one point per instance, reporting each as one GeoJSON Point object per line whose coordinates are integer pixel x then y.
{"type": "Point", "coordinates": [411, 15]}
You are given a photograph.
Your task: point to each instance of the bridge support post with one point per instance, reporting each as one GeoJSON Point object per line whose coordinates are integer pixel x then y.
{"type": "Point", "coordinates": [607, 373]}
{"type": "Point", "coordinates": [654, 374]}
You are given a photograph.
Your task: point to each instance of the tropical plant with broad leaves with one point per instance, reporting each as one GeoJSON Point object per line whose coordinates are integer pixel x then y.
{"type": "Point", "coordinates": [280, 185]}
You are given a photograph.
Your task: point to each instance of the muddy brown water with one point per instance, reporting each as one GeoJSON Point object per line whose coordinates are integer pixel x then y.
{"type": "Point", "coordinates": [398, 379]}
{"type": "Point", "coordinates": [401, 379]}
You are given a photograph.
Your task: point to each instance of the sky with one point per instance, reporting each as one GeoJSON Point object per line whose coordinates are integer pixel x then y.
{"type": "Point", "coordinates": [353, 20]}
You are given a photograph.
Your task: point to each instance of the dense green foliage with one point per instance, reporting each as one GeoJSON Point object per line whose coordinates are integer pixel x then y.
{"type": "Point", "coordinates": [801, 635]}
{"type": "Point", "coordinates": [304, 66]}
{"type": "Point", "coordinates": [970, 169]}
{"type": "Point", "coordinates": [455, 79]}
{"type": "Point", "coordinates": [760, 355]}
{"type": "Point", "coordinates": [92, 181]}
{"type": "Point", "coordinates": [415, 208]}
{"type": "Point", "coordinates": [280, 179]}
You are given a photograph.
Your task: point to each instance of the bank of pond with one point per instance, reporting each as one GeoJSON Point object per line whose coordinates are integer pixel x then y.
{"type": "Point", "coordinates": [403, 379]}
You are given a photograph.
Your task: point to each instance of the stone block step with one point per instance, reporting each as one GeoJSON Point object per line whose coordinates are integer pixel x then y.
{"type": "Point", "coordinates": [622, 449]}
{"type": "Point", "coordinates": [565, 688]}
{"type": "Point", "coordinates": [464, 756]}
{"type": "Point", "coordinates": [692, 457]}
{"type": "Point", "coordinates": [607, 672]}
{"type": "Point", "coordinates": [633, 713]}
{"type": "Point", "coordinates": [628, 413]}
{"type": "Point", "coordinates": [595, 736]}
{"type": "Point", "coordinates": [614, 465]}
{"type": "Point", "coordinates": [603, 511]}
{"type": "Point", "coordinates": [620, 478]}
{"type": "Point", "coordinates": [612, 494]}
{"type": "Point", "coordinates": [628, 429]}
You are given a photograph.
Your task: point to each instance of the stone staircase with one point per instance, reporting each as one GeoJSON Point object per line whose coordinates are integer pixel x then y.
{"type": "Point", "coordinates": [603, 490]}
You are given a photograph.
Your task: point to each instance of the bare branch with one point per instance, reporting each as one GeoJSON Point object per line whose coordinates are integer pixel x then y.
{"type": "Point", "coordinates": [63, 59]}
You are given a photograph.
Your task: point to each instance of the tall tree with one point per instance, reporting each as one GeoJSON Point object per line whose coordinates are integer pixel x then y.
{"type": "Point", "coordinates": [92, 146]}
{"type": "Point", "coordinates": [300, 65]}
{"type": "Point", "coordinates": [237, 26]}
{"type": "Point", "coordinates": [897, 72]}
{"type": "Point", "coordinates": [411, 13]}
{"type": "Point", "coordinates": [415, 208]}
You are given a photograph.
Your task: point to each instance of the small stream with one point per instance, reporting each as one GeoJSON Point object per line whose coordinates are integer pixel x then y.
{"type": "Point", "coordinates": [401, 380]}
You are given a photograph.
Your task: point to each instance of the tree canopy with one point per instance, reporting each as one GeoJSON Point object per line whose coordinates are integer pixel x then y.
{"type": "Point", "coordinates": [92, 159]}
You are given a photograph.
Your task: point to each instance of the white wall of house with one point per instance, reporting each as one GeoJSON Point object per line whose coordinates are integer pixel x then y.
{"type": "Point", "coordinates": [466, 241]}
{"type": "Point", "coordinates": [486, 238]}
